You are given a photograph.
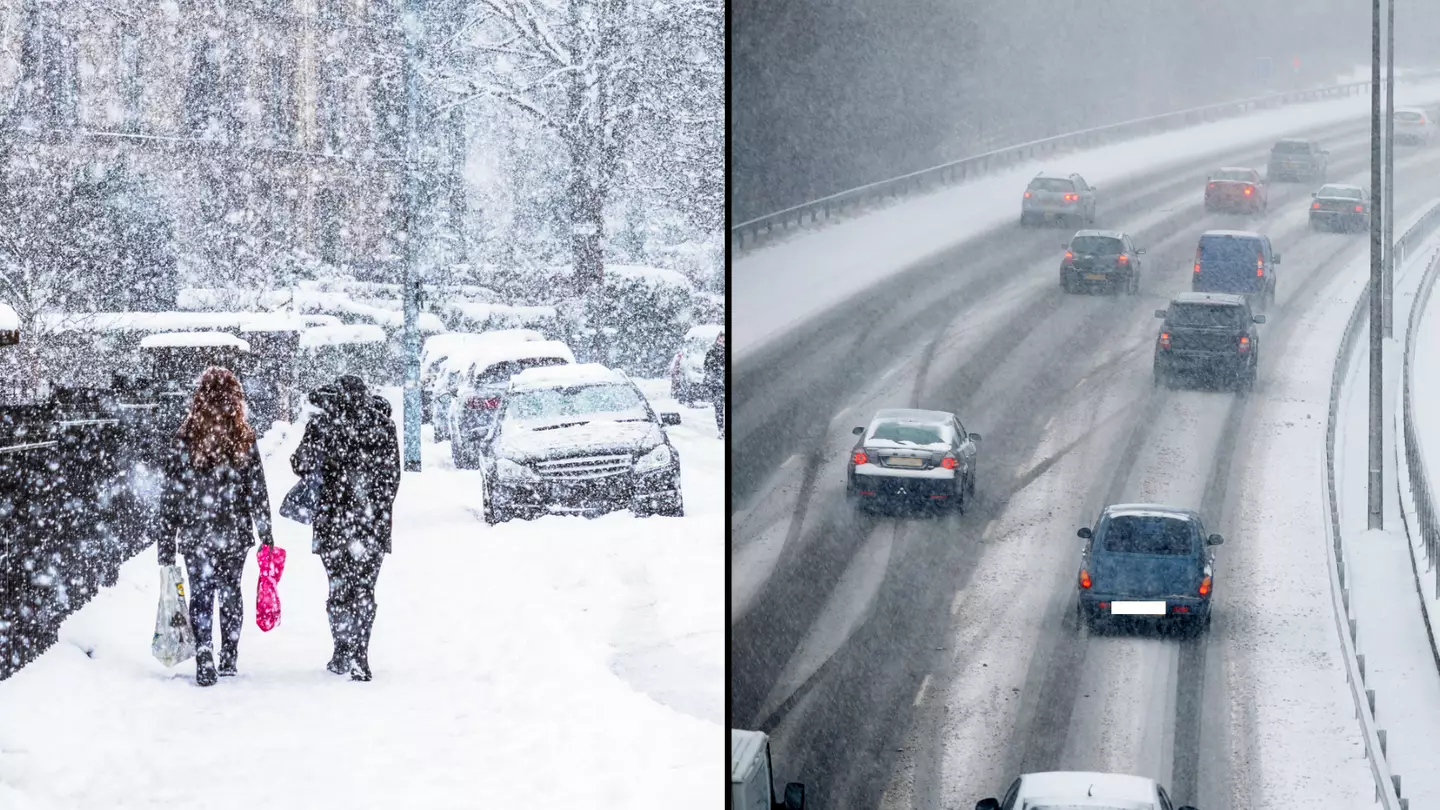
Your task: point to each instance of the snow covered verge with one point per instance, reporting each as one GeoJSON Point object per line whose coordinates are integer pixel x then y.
{"type": "Point", "coordinates": [559, 663]}
{"type": "Point", "coordinates": [783, 284]}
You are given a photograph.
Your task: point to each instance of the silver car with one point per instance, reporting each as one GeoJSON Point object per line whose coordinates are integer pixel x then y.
{"type": "Point", "coordinates": [913, 456]}
{"type": "Point", "coordinates": [1067, 199]}
{"type": "Point", "coordinates": [1075, 789]}
{"type": "Point", "coordinates": [1413, 126]}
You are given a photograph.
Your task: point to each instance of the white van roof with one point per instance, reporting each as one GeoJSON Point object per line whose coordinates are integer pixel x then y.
{"type": "Point", "coordinates": [744, 747]}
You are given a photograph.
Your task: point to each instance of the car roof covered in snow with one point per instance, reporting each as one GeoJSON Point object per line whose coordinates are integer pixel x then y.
{"type": "Point", "coordinates": [176, 340]}
{"type": "Point", "coordinates": [9, 320]}
{"type": "Point", "coordinates": [744, 747]}
{"type": "Point", "coordinates": [1084, 786]}
{"type": "Point", "coordinates": [557, 376]}
{"type": "Point", "coordinates": [915, 415]}
{"type": "Point", "coordinates": [1217, 299]}
{"type": "Point", "coordinates": [1151, 509]}
{"type": "Point", "coordinates": [279, 322]}
{"type": "Point", "coordinates": [317, 336]}
{"type": "Point", "coordinates": [704, 331]}
{"type": "Point", "coordinates": [1098, 232]}
{"type": "Point", "coordinates": [1337, 186]}
{"type": "Point", "coordinates": [489, 353]}
{"type": "Point", "coordinates": [1221, 232]}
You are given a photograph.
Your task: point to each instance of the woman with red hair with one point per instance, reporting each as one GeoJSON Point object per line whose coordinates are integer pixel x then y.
{"type": "Point", "coordinates": [215, 493]}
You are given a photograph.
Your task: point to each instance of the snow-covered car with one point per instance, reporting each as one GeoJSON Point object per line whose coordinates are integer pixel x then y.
{"type": "Point", "coordinates": [1065, 199]}
{"type": "Point", "coordinates": [1339, 207]}
{"type": "Point", "coordinates": [578, 439]}
{"type": "Point", "coordinates": [1413, 126]}
{"type": "Point", "coordinates": [488, 372]}
{"type": "Point", "coordinates": [1237, 189]}
{"type": "Point", "coordinates": [687, 369]}
{"type": "Point", "coordinates": [326, 352]}
{"type": "Point", "coordinates": [1075, 789]}
{"type": "Point", "coordinates": [908, 455]}
{"type": "Point", "coordinates": [1297, 160]}
{"type": "Point", "coordinates": [438, 348]}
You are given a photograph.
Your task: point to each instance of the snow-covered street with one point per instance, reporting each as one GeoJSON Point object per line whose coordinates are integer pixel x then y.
{"type": "Point", "coordinates": [558, 663]}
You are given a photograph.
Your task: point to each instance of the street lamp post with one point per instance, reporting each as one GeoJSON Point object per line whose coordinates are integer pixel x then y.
{"type": "Point", "coordinates": [1377, 316]}
{"type": "Point", "coordinates": [1390, 170]}
{"type": "Point", "coordinates": [410, 288]}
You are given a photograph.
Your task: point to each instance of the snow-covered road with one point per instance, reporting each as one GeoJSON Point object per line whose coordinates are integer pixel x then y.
{"type": "Point", "coordinates": [559, 663]}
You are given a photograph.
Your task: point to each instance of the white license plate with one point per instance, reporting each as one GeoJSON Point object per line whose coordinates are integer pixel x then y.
{"type": "Point", "coordinates": [1137, 608]}
{"type": "Point", "coordinates": [907, 462]}
{"type": "Point", "coordinates": [1095, 276]}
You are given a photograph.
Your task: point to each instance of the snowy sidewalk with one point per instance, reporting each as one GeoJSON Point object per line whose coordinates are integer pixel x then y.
{"type": "Point", "coordinates": [559, 663]}
{"type": "Point", "coordinates": [1392, 635]}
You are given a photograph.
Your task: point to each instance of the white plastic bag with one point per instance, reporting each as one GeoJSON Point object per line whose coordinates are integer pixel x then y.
{"type": "Point", "coordinates": [174, 641]}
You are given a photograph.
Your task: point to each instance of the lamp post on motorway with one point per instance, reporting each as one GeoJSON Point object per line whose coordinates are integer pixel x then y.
{"type": "Point", "coordinates": [1376, 517]}
{"type": "Point", "coordinates": [410, 288]}
{"type": "Point", "coordinates": [1390, 170]}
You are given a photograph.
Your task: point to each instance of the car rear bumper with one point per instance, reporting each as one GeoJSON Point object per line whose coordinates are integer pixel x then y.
{"type": "Point", "coordinates": [1229, 203]}
{"type": "Point", "coordinates": [1293, 170]}
{"type": "Point", "coordinates": [1095, 275]}
{"type": "Point", "coordinates": [1180, 362]}
{"type": "Point", "coordinates": [1051, 209]}
{"type": "Point", "coordinates": [1176, 607]}
{"type": "Point", "coordinates": [648, 491]}
{"type": "Point", "coordinates": [1339, 217]}
{"type": "Point", "coordinates": [903, 487]}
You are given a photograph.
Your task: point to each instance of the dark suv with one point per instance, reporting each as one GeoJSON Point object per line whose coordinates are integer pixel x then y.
{"type": "Point", "coordinates": [1105, 258]}
{"type": "Point", "coordinates": [1211, 336]}
{"type": "Point", "coordinates": [1297, 160]}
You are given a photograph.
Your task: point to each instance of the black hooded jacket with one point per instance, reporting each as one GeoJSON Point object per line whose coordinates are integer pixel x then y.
{"type": "Point", "coordinates": [212, 509]}
{"type": "Point", "coordinates": [715, 367]}
{"type": "Point", "coordinates": [352, 443]}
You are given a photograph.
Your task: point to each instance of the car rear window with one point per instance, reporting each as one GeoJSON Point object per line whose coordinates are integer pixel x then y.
{"type": "Point", "coordinates": [1229, 250]}
{"type": "Point", "coordinates": [1149, 534]}
{"type": "Point", "coordinates": [502, 372]}
{"type": "Point", "coordinates": [1050, 184]}
{"type": "Point", "coordinates": [905, 433]}
{"type": "Point", "coordinates": [1097, 246]}
{"type": "Point", "coordinates": [1205, 316]}
{"type": "Point", "coordinates": [1410, 117]}
{"type": "Point", "coordinates": [1291, 148]}
{"type": "Point", "coordinates": [1237, 174]}
{"type": "Point", "coordinates": [1340, 191]}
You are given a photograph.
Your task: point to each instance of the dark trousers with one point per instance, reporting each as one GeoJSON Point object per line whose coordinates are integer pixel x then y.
{"type": "Point", "coordinates": [352, 596]}
{"type": "Point", "coordinates": [717, 398]}
{"type": "Point", "coordinates": [216, 575]}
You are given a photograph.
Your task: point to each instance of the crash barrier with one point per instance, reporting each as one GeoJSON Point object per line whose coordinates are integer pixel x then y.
{"type": "Point", "coordinates": [1413, 480]}
{"type": "Point", "coordinates": [752, 233]}
{"type": "Point", "coordinates": [73, 508]}
{"type": "Point", "coordinates": [1387, 784]}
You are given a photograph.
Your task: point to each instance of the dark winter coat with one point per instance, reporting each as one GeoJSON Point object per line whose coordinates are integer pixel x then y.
{"type": "Point", "coordinates": [352, 443]}
{"type": "Point", "coordinates": [715, 368]}
{"type": "Point", "coordinates": [214, 509]}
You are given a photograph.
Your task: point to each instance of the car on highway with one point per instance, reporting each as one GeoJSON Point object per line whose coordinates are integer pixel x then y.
{"type": "Point", "coordinates": [912, 456]}
{"type": "Point", "coordinates": [1338, 207]}
{"type": "Point", "coordinates": [1147, 561]}
{"type": "Point", "coordinates": [1238, 262]}
{"type": "Point", "coordinates": [1072, 790]}
{"type": "Point", "coordinates": [1298, 161]}
{"type": "Point", "coordinates": [751, 774]}
{"type": "Point", "coordinates": [1413, 126]}
{"type": "Point", "coordinates": [1101, 258]}
{"type": "Point", "coordinates": [1209, 336]}
{"type": "Point", "coordinates": [1066, 199]}
{"type": "Point", "coordinates": [578, 439]}
{"type": "Point", "coordinates": [1236, 189]}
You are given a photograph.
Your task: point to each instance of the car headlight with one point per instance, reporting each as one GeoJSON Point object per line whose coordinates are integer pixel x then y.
{"type": "Point", "coordinates": [657, 459]}
{"type": "Point", "coordinates": [507, 470]}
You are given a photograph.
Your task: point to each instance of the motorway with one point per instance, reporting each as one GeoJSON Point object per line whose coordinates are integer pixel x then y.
{"type": "Point", "coordinates": [924, 662]}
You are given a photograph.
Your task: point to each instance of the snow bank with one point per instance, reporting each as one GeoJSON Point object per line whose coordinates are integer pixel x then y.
{"type": "Point", "coordinates": [339, 335]}
{"type": "Point", "coordinates": [170, 340]}
{"type": "Point", "coordinates": [501, 315]}
{"type": "Point", "coordinates": [707, 332]}
{"type": "Point", "coordinates": [779, 286]}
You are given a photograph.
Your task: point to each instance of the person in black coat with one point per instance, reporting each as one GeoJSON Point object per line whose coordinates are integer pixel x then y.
{"type": "Point", "coordinates": [714, 381]}
{"type": "Point", "coordinates": [214, 495]}
{"type": "Point", "coordinates": [352, 444]}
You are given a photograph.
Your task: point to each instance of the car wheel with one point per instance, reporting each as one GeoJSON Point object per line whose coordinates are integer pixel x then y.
{"type": "Point", "coordinates": [1025, 220]}
{"type": "Point", "coordinates": [970, 483]}
{"type": "Point", "coordinates": [463, 457]}
{"type": "Point", "coordinates": [1067, 284]}
{"type": "Point", "coordinates": [493, 514]}
{"type": "Point", "coordinates": [958, 496]}
{"type": "Point", "coordinates": [1134, 286]}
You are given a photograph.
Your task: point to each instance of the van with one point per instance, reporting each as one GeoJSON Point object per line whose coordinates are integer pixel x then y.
{"type": "Point", "coordinates": [751, 787]}
{"type": "Point", "coordinates": [1238, 263]}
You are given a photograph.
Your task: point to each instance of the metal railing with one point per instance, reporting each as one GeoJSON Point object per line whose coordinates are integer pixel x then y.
{"type": "Point", "coordinates": [753, 232]}
{"type": "Point", "coordinates": [1426, 522]}
{"type": "Point", "coordinates": [1387, 784]}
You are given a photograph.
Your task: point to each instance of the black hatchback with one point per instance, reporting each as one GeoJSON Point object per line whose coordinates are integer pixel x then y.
{"type": "Point", "coordinates": [1147, 561]}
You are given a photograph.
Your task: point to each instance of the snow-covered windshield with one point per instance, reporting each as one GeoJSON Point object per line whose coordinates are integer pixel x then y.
{"type": "Point", "coordinates": [1148, 534]}
{"type": "Point", "coordinates": [612, 400]}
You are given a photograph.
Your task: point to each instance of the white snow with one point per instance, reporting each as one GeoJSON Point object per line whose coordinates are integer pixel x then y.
{"type": "Point", "coordinates": [501, 314]}
{"type": "Point", "coordinates": [9, 319]}
{"type": "Point", "coordinates": [559, 663]}
{"type": "Point", "coordinates": [339, 335]}
{"type": "Point", "coordinates": [575, 374]}
{"type": "Point", "coordinates": [780, 286]}
{"type": "Point", "coordinates": [484, 355]}
{"type": "Point", "coordinates": [705, 332]}
{"type": "Point", "coordinates": [192, 339]}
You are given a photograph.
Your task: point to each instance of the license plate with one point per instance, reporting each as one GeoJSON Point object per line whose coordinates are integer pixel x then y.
{"type": "Point", "coordinates": [1137, 608]}
{"type": "Point", "coordinates": [1095, 276]}
{"type": "Point", "coordinates": [907, 462]}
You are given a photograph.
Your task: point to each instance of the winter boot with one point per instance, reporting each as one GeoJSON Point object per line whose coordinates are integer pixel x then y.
{"type": "Point", "coordinates": [359, 660]}
{"type": "Point", "coordinates": [341, 632]}
{"type": "Point", "coordinates": [228, 655]}
{"type": "Point", "coordinates": [204, 668]}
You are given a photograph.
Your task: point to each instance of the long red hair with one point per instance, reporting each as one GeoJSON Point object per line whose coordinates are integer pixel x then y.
{"type": "Point", "coordinates": [215, 431]}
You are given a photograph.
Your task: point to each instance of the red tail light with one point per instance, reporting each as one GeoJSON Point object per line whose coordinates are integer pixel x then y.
{"type": "Point", "coordinates": [1197, 261]}
{"type": "Point", "coordinates": [1164, 340]}
{"type": "Point", "coordinates": [1027, 195]}
{"type": "Point", "coordinates": [1359, 209]}
{"type": "Point", "coordinates": [1084, 579]}
{"type": "Point", "coordinates": [488, 403]}
{"type": "Point", "coordinates": [1211, 186]}
{"type": "Point", "coordinates": [948, 463]}
{"type": "Point", "coordinates": [1069, 257]}
{"type": "Point", "coordinates": [1071, 197]}
{"type": "Point", "coordinates": [1205, 586]}
{"type": "Point", "coordinates": [1315, 206]}
{"type": "Point", "coordinates": [1122, 259]}
{"type": "Point", "coordinates": [860, 457]}
{"type": "Point", "coordinates": [1244, 344]}
{"type": "Point", "coordinates": [1249, 190]}
{"type": "Point", "coordinates": [1259, 266]}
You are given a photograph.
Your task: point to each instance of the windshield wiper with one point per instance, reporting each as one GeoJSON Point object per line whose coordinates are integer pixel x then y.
{"type": "Point", "coordinates": [563, 425]}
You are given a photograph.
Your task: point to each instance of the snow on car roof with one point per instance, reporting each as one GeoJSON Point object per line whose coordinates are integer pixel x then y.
{"type": "Point", "coordinates": [1237, 169]}
{"type": "Point", "coordinates": [480, 350]}
{"type": "Point", "coordinates": [486, 354]}
{"type": "Point", "coordinates": [1247, 234]}
{"type": "Point", "coordinates": [912, 415]}
{"type": "Point", "coordinates": [555, 376]}
{"type": "Point", "coordinates": [1071, 785]}
{"type": "Point", "coordinates": [1338, 186]}
{"type": "Point", "coordinates": [278, 322]}
{"type": "Point", "coordinates": [504, 313]}
{"type": "Point", "coordinates": [172, 340]}
{"type": "Point", "coordinates": [704, 331]}
{"type": "Point", "coordinates": [9, 320]}
{"type": "Point", "coordinates": [1097, 232]}
{"type": "Point", "coordinates": [1227, 299]}
{"type": "Point", "coordinates": [1150, 509]}
{"type": "Point", "coordinates": [339, 335]}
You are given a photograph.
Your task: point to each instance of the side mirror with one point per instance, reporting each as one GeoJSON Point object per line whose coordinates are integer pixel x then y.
{"type": "Point", "coordinates": [974, 437]}
{"type": "Point", "coordinates": [1140, 251]}
{"type": "Point", "coordinates": [670, 418]}
{"type": "Point", "coordinates": [859, 431]}
{"type": "Point", "coordinates": [1214, 540]}
{"type": "Point", "coordinates": [1064, 245]}
{"type": "Point", "coordinates": [1160, 313]}
{"type": "Point", "coordinates": [1315, 195]}
{"type": "Point", "coordinates": [1258, 319]}
{"type": "Point", "coordinates": [1085, 533]}
{"type": "Point", "coordinates": [794, 796]}
{"type": "Point", "coordinates": [988, 804]}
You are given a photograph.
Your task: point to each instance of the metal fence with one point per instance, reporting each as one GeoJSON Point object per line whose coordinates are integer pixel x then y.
{"type": "Point", "coordinates": [753, 232]}
{"type": "Point", "coordinates": [1425, 516]}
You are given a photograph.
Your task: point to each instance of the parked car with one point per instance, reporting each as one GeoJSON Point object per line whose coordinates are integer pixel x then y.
{"type": "Point", "coordinates": [443, 390]}
{"type": "Point", "coordinates": [1297, 160]}
{"type": "Point", "coordinates": [1237, 189]}
{"type": "Point", "coordinates": [1210, 336]}
{"type": "Point", "coordinates": [1074, 789]}
{"type": "Point", "coordinates": [687, 369]}
{"type": "Point", "coordinates": [578, 439]}
{"type": "Point", "coordinates": [1148, 561]}
{"type": "Point", "coordinates": [1101, 258]}
{"type": "Point", "coordinates": [1067, 199]}
{"type": "Point", "coordinates": [1413, 125]}
{"type": "Point", "coordinates": [911, 456]}
{"type": "Point", "coordinates": [1339, 207]}
{"type": "Point", "coordinates": [1236, 262]}
{"type": "Point", "coordinates": [326, 352]}
{"type": "Point", "coordinates": [439, 347]}
{"type": "Point", "coordinates": [477, 399]}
